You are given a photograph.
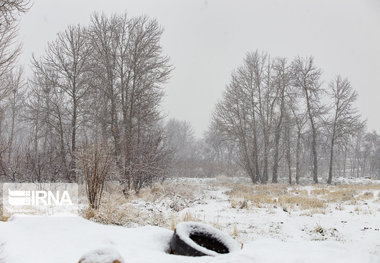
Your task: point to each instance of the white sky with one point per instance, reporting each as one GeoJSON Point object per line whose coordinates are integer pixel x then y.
{"type": "Point", "coordinates": [206, 40]}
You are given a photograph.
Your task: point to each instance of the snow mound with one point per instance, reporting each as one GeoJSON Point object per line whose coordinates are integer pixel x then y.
{"type": "Point", "coordinates": [102, 255]}
{"type": "Point", "coordinates": [185, 229]}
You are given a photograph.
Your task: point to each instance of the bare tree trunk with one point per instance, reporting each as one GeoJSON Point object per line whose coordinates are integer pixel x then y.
{"type": "Point", "coordinates": [329, 180]}
{"type": "Point", "coordinates": [314, 139]}
{"type": "Point", "coordinates": [73, 137]}
{"type": "Point", "coordinates": [276, 143]}
{"type": "Point", "coordinates": [298, 150]}
{"type": "Point", "coordinates": [315, 157]}
{"type": "Point", "coordinates": [276, 150]}
{"type": "Point", "coordinates": [288, 154]}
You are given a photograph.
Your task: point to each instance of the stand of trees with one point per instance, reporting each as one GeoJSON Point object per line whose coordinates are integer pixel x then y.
{"type": "Point", "coordinates": [95, 85]}
{"type": "Point", "coordinates": [276, 114]}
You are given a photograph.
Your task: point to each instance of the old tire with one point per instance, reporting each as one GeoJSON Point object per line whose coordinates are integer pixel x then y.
{"type": "Point", "coordinates": [197, 239]}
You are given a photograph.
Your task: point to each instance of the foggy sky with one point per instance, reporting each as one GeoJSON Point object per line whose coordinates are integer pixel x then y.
{"type": "Point", "coordinates": [207, 40]}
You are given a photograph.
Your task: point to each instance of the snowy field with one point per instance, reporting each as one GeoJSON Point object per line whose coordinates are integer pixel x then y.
{"type": "Point", "coordinates": [273, 223]}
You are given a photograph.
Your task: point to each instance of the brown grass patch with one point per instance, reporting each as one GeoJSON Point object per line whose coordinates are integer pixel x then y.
{"type": "Point", "coordinates": [366, 196]}
{"type": "Point", "coordinates": [341, 195]}
{"type": "Point", "coordinates": [320, 191]}
{"type": "Point", "coordinates": [359, 187]}
{"type": "Point", "coordinates": [261, 200]}
{"type": "Point", "coordinates": [302, 202]}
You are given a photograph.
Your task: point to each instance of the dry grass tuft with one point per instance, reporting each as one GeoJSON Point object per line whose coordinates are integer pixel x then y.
{"type": "Point", "coordinates": [2, 217]}
{"type": "Point", "coordinates": [188, 216]}
{"type": "Point", "coordinates": [173, 223]}
{"type": "Point", "coordinates": [235, 232]}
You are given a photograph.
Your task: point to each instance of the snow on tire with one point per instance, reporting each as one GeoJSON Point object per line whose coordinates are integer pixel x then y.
{"type": "Point", "coordinates": [197, 239]}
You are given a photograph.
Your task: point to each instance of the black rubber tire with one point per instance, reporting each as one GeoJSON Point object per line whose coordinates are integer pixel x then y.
{"type": "Point", "coordinates": [202, 239]}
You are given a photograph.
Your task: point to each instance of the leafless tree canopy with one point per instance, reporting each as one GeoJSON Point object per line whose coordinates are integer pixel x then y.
{"type": "Point", "coordinates": [9, 49]}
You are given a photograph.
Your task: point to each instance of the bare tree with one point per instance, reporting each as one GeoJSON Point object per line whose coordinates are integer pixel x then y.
{"type": "Point", "coordinates": [67, 58]}
{"type": "Point", "coordinates": [345, 120]}
{"type": "Point", "coordinates": [233, 121]}
{"type": "Point", "coordinates": [307, 78]}
{"type": "Point", "coordinates": [15, 82]}
{"type": "Point", "coordinates": [300, 119]}
{"type": "Point", "coordinates": [10, 108]}
{"type": "Point", "coordinates": [282, 82]}
{"type": "Point", "coordinates": [246, 112]}
{"type": "Point", "coordinates": [128, 70]}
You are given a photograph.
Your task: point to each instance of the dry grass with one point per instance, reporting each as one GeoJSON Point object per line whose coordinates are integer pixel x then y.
{"type": "Point", "coordinates": [366, 196]}
{"type": "Point", "coordinates": [257, 195]}
{"type": "Point", "coordinates": [358, 187]}
{"type": "Point", "coordinates": [235, 232]}
{"type": "Point", "coordinates": [234, 203]}
{"type": "Point", "coordinates": [2, 217]}
{"type": "Point", "coordinates": [261, 200]}
{"type": "Point", "coordinates": [341, 195]}
{"type": "Point", "coordinates": [176, 195]}
{"type": "Point", "coordinates": [265, 195]}
{"type": "Point", "coordinates": [117, 210]}
{"type": "Point", "coordinates": [188, 216]}
{"type": "Point", "coordinates": [173, 223]}
{"type": "Point", "coordinates": [302, 202]}
{"type": "Point", "coordinates": [319, 191]}
{"type": "Point", "coordinates": [242, 190]}
{"type": "Point", "coordinates": [297, 197]}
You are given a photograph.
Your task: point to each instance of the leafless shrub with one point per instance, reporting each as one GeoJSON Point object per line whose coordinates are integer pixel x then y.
{"type": "Point", "coordinates": [94, 161]}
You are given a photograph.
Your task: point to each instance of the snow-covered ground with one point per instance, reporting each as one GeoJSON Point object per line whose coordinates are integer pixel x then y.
{"type": "Point", "coordinates": [346, 231]}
